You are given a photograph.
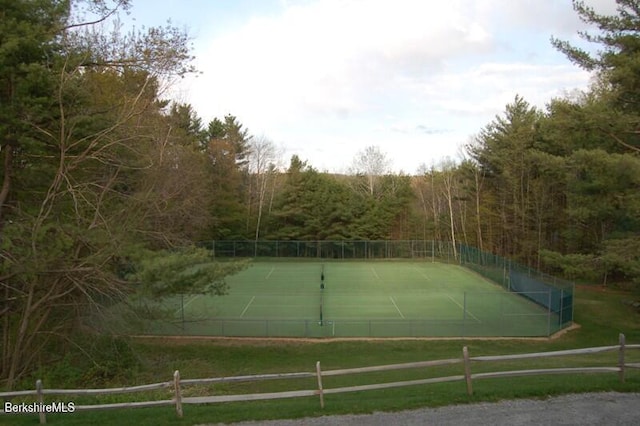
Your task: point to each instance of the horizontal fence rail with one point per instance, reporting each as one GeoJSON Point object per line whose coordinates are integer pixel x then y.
{"type": "Point", "coordinates": [467, 375]}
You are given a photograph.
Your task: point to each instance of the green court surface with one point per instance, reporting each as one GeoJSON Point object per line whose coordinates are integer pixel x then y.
{"type": "Point", "coordinates": [359, 299]}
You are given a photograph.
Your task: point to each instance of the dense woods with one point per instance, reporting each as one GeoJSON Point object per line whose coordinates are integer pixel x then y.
{"type": "Point", "coordinates": [101, 173]}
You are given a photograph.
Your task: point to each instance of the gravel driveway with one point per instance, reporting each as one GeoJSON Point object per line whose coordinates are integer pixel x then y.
{"type": "Point", "coordinates": [607, 408]}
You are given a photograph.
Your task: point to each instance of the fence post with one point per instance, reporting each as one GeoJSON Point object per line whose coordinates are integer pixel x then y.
{"type": "Point", "coordinates": [320, 390]}
{"type": "Point", "coordinates": [467, 370]}
{"type": "Point", "coordinates": [178, 395]}
{"type": "Point", "coordinates": [549, 314]}
{"type": "Point", "coordinates": [621, 340]}
{"type": "Point", "coordinates": [41, 413]}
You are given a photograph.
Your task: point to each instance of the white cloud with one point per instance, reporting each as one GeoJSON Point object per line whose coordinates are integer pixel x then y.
{"type": "Point", "coordinates": [412, 76]}
{"type": "Point", "coordinates": [326, 55]}
{"type": "Point", "coordinates": [486, 88]}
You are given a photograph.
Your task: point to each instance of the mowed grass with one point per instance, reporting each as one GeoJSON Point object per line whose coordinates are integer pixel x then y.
{"type": "Point", "coordinates": [358, 299]}
{"type": "Point", "coordinates": [601, 315]}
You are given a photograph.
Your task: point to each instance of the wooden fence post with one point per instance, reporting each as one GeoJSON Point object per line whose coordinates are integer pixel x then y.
{"type": "Point", "coordinates": [621, 340]}
{"type": "Point", "coordinates": [320, 390]}
{"type": "Point", "coordinates": [41, 413]}
{"type": "Point", "coordinates": [467, 370]}
{"type": "Point", "coordinates": [178, 396]}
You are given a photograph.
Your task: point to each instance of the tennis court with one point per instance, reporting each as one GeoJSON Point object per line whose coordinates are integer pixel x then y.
{"type": "Point", "coordinates": [384, 298]}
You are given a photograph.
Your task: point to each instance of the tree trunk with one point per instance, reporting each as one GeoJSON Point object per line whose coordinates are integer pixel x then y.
{"type": "Point", "coordinates": [6, 179]}
{"type": "Point", "coordinates": [478, 185]}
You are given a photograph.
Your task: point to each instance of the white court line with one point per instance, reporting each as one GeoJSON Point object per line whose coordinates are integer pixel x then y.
{"type": "Point", "coordinates": [270, 272]}
{"type": "Point", "coordinates": [187, 304]}
{"type": "Point", "coordinates": [375, 273]}
{"type": "Point", "coordinates": [397, 309]}
{"type": "Point", "coordinates": [247, 307]}
{"type": "Point", "coordinates": [462, 307]}
{"type": "Point", "coordinates": [422, 273]}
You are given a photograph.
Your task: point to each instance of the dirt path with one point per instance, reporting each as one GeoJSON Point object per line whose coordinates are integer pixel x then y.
{"type": "Point", "coordinates": [591, 409]}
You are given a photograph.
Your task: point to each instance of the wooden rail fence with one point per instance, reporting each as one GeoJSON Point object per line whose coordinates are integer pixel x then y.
{"type": "Point", "coordinates": [176, 384]}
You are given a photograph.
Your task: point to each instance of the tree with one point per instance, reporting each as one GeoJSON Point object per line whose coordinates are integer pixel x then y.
{"type": "Point", "coordinates": [617, 62]}
{"type": "Point", "coordinates": [475, 178]}
{"type": "Point", "coordinates": [599, 138]}
{"type": "Point", "coordinates": [78, 132]}
{"type": "Point", "coordinates": [371, 163]}
{"type": "Point", "coordinates": [262, 160]}
{"type": "Point", "coordinates": [228, 151]}
{"type": "Point", "coordinates": [231, 131]}
{"type": "Point", "coordinates": [504, 153]}
{"type": "Point", "coordinates": [28, 38]}
{"type": "Point", "coordinates": [602, 198]}
{"type": "Point", "coordinates": [185, 121]}
{"type": "Point", "coordinates": [311, 206]}
{"type": "Point", "coordinates": [172, 197]}
{"type": "Point", "coordinates": [187, 271]}
{"type": "Point", "coordinates": [449, 189]}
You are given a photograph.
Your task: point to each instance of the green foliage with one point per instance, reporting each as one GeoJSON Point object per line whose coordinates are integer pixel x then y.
{"type": "Point", "coordinates": [102, 359]}
{"type": "Point", "coordinates": [185, 271]}
{"type": "Point", "coordinates": [602, 197]}
{"type": "Point", "coordinates": [227, 147]}
{"type": "Point", "coordinates": [310, 206]}
{"type": "Point", "coordinates": [82, 134]}
{"type": "Point", "coordinates": [319, 206]}
{"type": "Point", "coordinates": [618, 59]}
{"type": "Point", "coordinates": [622, 257]}
{"type": "Point", "coordinates": [573, 265]}
{"type": "Point", "coordinates": [583, 123]}
{"type": "Point", "coordinates": [617, 64]}
{"type": "Point", "coordinates": [231, 131]}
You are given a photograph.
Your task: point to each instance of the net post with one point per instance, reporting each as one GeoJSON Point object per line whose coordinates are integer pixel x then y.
{"type": "Point", "coordinates": [322, 297]}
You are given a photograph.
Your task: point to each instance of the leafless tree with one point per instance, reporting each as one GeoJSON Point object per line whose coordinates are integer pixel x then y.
{"type": "Point", "coordinates": [371, 163]}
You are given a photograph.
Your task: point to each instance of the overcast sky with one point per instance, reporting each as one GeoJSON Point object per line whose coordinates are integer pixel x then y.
{"type": "Point", "coordinates": [324, 79]}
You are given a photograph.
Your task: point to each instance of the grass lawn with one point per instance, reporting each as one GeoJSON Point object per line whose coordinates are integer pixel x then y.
{"type": "Point", "coordinates": [601, 315]}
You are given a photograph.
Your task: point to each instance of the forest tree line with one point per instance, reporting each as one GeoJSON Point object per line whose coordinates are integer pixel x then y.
{"type": "Point", "coordinates": [557, 189]}
{"type": "Point", "coordinates": [100, 169]}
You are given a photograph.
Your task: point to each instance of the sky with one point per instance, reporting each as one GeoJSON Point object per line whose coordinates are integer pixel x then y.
{"type": "Point", "coordinates": [325, 79]}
